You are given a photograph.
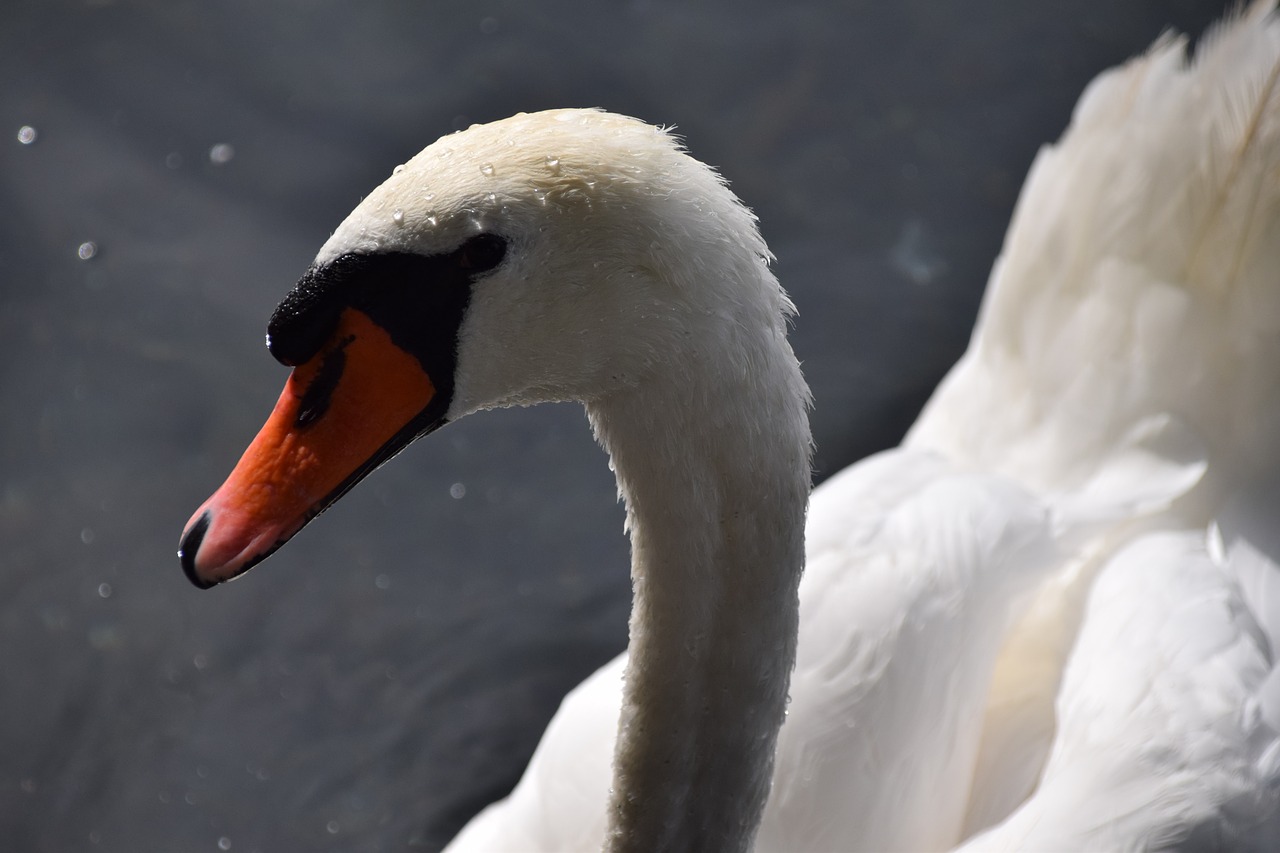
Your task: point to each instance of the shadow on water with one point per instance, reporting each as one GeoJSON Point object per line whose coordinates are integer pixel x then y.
{"type": "Point", "coordinates": [388, 673]}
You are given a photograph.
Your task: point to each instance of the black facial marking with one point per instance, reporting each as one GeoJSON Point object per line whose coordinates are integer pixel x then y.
{"type": "Point", "coordinates": [419, 300]}
{"type": "Point", "coordinates": [315, 400]}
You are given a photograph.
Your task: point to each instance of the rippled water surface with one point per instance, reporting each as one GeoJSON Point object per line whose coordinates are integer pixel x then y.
{"type": "Point", "coordinates": [168, 170]}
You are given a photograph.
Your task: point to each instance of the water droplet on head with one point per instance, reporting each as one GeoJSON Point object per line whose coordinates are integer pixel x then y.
{"type": "Point", "coordinates": [27, 134]}
{"type": "Point", "coordinates": [397, 216]}
{"type": "Point", "coordinates": [428, 196]}
{"type": "Point", "coordinates": [398, 169]}
{"type": "Point", "coordinates": [87, 250]}
{"type": "Point", "coordinates": [553, 164]}
{"type": "Point", "coordinates": [221, 153]}
{"type": "Point", "coordinates": [486, 169]}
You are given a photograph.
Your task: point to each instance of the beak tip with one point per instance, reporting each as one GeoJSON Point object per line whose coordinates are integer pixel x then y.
{"type": "Point", "coordinates": [189, 548]}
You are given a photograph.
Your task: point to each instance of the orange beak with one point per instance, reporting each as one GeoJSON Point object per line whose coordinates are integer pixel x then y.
{"type": "Point", "coordinates": [345, 411]}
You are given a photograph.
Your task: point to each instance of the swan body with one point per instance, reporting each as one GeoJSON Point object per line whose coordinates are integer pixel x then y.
{"type": "Point", "coordinates": [1049, 620]}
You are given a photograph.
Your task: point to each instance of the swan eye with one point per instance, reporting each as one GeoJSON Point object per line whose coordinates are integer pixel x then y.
{"type": "Point", "coordinates": [481, 253]}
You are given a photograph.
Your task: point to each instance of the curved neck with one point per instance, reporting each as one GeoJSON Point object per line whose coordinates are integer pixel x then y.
{"type": "Point", "coordinates": [712, 461]}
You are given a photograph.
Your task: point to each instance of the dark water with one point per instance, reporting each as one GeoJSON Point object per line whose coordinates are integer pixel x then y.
{"type": "Point", "coordinates": [389, 672]}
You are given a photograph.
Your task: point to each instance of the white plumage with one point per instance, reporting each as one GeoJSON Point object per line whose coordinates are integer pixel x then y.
{"type": "Point", "coordinates": [1049, 620]}
{"type": "Point", "coordinates": [1120, 390]}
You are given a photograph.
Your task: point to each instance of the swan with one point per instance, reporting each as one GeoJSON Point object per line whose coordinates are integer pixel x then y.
{"type": "Point", "coordinates": [1048, 620]}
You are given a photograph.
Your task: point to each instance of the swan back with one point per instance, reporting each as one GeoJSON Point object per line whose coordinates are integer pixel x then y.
{"type": "Point", "coordinates": [1168, 723]}
{"type": "Point", "coordinates": [1144, 311]}
{"type": "Point", "coordinates": [1123, 364]}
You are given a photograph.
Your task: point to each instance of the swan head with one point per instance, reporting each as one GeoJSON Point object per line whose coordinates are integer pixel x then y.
{"type": "Point", "coordinates": [565, 255]}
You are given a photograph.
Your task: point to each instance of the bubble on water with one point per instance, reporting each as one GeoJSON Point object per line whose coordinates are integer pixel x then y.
{"type": "Point", "coordinates": [221, 154]}
{"type": "Point", "coordinates": [27, 134]}
{"type": "Point", "coordinates": [86, 250]}
{"type": "Point", "coordinates": [333, 827]}
{"type": "Point", "coordinates": [382, 581]}
{"type": "Point", "coordinates": [173, 160]}
{"type": "Point", "coordinates": [457, 491]}
{"type": "Point", "coordinates": [224, 843]}
{"type": "Point", "coordinates": [104, 590]}
{"type": "Point", "coordinates": [200, 661]}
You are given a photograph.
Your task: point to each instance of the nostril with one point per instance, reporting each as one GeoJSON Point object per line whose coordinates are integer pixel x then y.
{"type": "Point", "coordinates": [190, 546]}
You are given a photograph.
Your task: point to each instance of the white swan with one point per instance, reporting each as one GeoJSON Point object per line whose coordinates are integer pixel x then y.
{"type": "Point", "coordinates": [1052, 614]}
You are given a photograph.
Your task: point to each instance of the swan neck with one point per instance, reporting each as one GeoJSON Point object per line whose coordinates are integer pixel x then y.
{"type": "Point", "coordinates": [712, 462]}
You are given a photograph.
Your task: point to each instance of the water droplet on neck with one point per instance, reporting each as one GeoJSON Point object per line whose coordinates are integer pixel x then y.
{"type": "Point", "coordinates": [397, 216]}
{"type": "Point", "coordinates": [553, 164]}
{"type": "Point", "coordinates": [491, 198]}
{"type": "Point", "coordinates": [432, 220]}
{"type": "Point", "coordinates": [487, 170]}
